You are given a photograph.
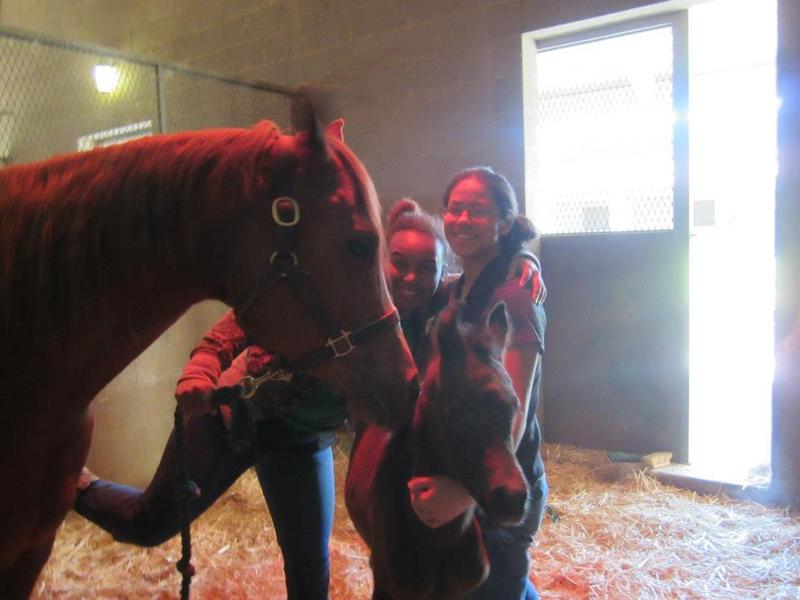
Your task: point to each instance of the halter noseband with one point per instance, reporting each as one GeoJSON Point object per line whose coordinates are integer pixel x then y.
{"type": "Point", "coordinates": [284, 267]}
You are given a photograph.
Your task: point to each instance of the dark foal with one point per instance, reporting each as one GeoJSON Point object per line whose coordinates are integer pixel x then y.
{"type": "Point", "coordinates": [462, 429]}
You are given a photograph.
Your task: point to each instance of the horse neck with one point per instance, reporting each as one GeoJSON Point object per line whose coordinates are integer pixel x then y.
{"type": "Point", "coordinates": [107, 293]}
{"type": "Point", "coordinates": [425, 438]}
{"type": "Point", "coordinates": [425, 441]}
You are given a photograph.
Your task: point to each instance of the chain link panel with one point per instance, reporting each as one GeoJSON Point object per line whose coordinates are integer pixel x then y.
{"type": "Point", "coordinates": [604, 136]}
{"type": "Point", "coordinates": [50, 103]}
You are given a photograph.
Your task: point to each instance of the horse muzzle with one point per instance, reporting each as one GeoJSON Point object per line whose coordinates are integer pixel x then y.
{"type": "Point", "coordinates": [506, 492]}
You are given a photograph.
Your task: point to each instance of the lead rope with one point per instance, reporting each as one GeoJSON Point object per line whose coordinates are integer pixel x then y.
{"type": "Point", "coordinates": [185, 490]}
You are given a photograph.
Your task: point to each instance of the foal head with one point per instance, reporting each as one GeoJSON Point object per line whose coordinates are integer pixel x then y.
{"type": "Point", "coordinates": [335, 284]}
{"type": "Point", "coordinates": [467, 410]}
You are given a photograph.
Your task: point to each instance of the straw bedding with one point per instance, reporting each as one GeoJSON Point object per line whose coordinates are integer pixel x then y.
{"type": "Point", "coordinates": [615, 533]}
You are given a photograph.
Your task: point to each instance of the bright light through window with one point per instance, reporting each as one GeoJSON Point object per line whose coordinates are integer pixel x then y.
{"type": "Point", "coordinates": [732, 127]}
{"type": "Point", "coordinates": [600, 157]}
{"type": "Point", "coordinates": [602, 148]}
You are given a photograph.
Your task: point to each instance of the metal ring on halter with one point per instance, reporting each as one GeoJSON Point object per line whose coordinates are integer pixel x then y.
{"type": "Point", "coordinates": [247, 387]}
{"type": "Point", "coordinates": [276, 254]}
{"type": "Point", "coordinates": [276, 213]}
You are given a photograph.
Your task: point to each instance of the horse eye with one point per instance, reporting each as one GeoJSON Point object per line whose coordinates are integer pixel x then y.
{"type": "Point", "coordinates": [362, 247]}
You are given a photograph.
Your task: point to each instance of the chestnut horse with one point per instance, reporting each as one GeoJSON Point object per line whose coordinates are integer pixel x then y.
{"type": "Point", "coordinates": [101, 251]}
{"type": "Point", "coordinates": [461, 428]}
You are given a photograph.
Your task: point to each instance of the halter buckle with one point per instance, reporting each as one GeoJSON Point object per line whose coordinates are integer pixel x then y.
{"type": "Point", "coordinates": [341, 345]}
{"type": "Point", "coordinates": [285, 211]}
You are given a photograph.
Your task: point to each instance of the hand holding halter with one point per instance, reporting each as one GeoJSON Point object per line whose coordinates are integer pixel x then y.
{"type": "Point", "coordinates": [279, 388]}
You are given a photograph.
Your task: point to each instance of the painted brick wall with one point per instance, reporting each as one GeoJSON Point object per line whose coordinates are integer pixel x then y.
{"type": "Point", "coordinates": [134, 413]}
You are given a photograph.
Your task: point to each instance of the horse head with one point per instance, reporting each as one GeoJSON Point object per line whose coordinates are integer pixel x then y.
{"type": "Point", "coordinates": [466, 412]}
{"type": "Point", "coordinates": [461, 428]}
{"type": "Point", "coordinates": [306, 278]}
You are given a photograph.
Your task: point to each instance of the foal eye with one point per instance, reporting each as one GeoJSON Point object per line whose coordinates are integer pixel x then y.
{"type": "Point", "coordinates": [362, 247]}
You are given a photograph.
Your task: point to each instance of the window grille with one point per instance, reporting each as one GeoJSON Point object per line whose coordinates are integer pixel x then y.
{"type": "Point", "coordinates": [50, 104]}
{"type": "Point", "coordinates": [603, 135]}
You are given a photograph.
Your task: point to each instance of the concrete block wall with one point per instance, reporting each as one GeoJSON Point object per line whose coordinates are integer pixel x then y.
{"type": "Point", "coordinates": [133, 413]}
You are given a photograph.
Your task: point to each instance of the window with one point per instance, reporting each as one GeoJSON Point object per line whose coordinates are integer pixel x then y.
{"type": "Point", "coordinates": [601, 154]}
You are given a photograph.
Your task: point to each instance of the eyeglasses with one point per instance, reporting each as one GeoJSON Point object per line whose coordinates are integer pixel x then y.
{"type": "Point", "coordinates": [475, 212]}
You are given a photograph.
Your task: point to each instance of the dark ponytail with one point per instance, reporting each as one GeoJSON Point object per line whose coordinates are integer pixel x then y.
{"type": "Point", "coordinates": [505, 200]}
{"type": "Point", "coordinates": [522, 232]}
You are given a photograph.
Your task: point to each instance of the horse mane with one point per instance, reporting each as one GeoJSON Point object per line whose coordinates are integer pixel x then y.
{"type": "Point", "coordinates": [72, 225]}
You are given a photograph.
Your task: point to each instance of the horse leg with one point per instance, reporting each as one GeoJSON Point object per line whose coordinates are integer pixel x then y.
{"type": "Point", "coordinates": [17, 580]}
{"type": "Point", "coordinates": [466, 564]}
{"type": "Point", "coordinates": [66, 455]}
{"type": "Point", "coordinates": [378, 586]}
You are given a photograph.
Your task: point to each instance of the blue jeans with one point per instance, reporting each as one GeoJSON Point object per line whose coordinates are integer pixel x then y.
{"type": "Point", "coordinates": [295, 470]}
{"type": "Point", "coordinates": [508, 554]}
{"type": "Point", "coordinates": [508, 575]}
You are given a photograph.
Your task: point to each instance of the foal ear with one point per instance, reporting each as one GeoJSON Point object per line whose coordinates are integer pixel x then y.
{"type": "Point", "coordinates": [449, 336]}
{"type": "Point", "coordinates": [497, 325]}
{"type": "Point", "coordinates": [304, 122]}
{"type": "Point", "coordinates": [336, 129]}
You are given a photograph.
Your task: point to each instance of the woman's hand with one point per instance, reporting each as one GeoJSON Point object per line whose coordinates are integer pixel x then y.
{"type": "Point", "coordinates": [438, 500]}
{"type": "Point", "coordinates": [194, 396]}
{"type": "Point", "coordinates": [527, 273]}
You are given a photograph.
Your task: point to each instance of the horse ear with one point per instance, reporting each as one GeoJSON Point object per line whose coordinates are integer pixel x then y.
{"type": "Point", "coordinates": [304, 122]}
{"type": "Point", "coordinates": [448, 334]}
{"type": "Point", "coordinates": [497, 325]}
{"type": "Point", "coordinates": [336, 129]}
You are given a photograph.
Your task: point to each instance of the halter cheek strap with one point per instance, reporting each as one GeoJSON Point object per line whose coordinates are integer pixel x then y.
{"type": "Point", "coordinates": [284, 268]}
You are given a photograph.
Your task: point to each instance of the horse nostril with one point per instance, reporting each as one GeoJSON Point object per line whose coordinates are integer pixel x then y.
{"type": "Point", "coordinates": [506, 505]}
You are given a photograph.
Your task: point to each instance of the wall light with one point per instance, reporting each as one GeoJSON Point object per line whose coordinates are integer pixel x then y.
{"type": "Point", "coordinates": [106, 78]}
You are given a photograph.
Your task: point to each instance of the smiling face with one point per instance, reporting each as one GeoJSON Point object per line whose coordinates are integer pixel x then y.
{"type": "Point", "coordinates": [471, 222]}
{"type": "Point", "coordinates": [414, 268]}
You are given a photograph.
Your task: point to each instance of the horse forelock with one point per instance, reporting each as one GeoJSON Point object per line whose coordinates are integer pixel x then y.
{"type": "Point", "coordinates": [72, 224]}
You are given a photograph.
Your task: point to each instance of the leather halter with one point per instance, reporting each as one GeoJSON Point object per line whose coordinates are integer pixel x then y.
{"type": "Point", "coordinates": [284, 268]}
